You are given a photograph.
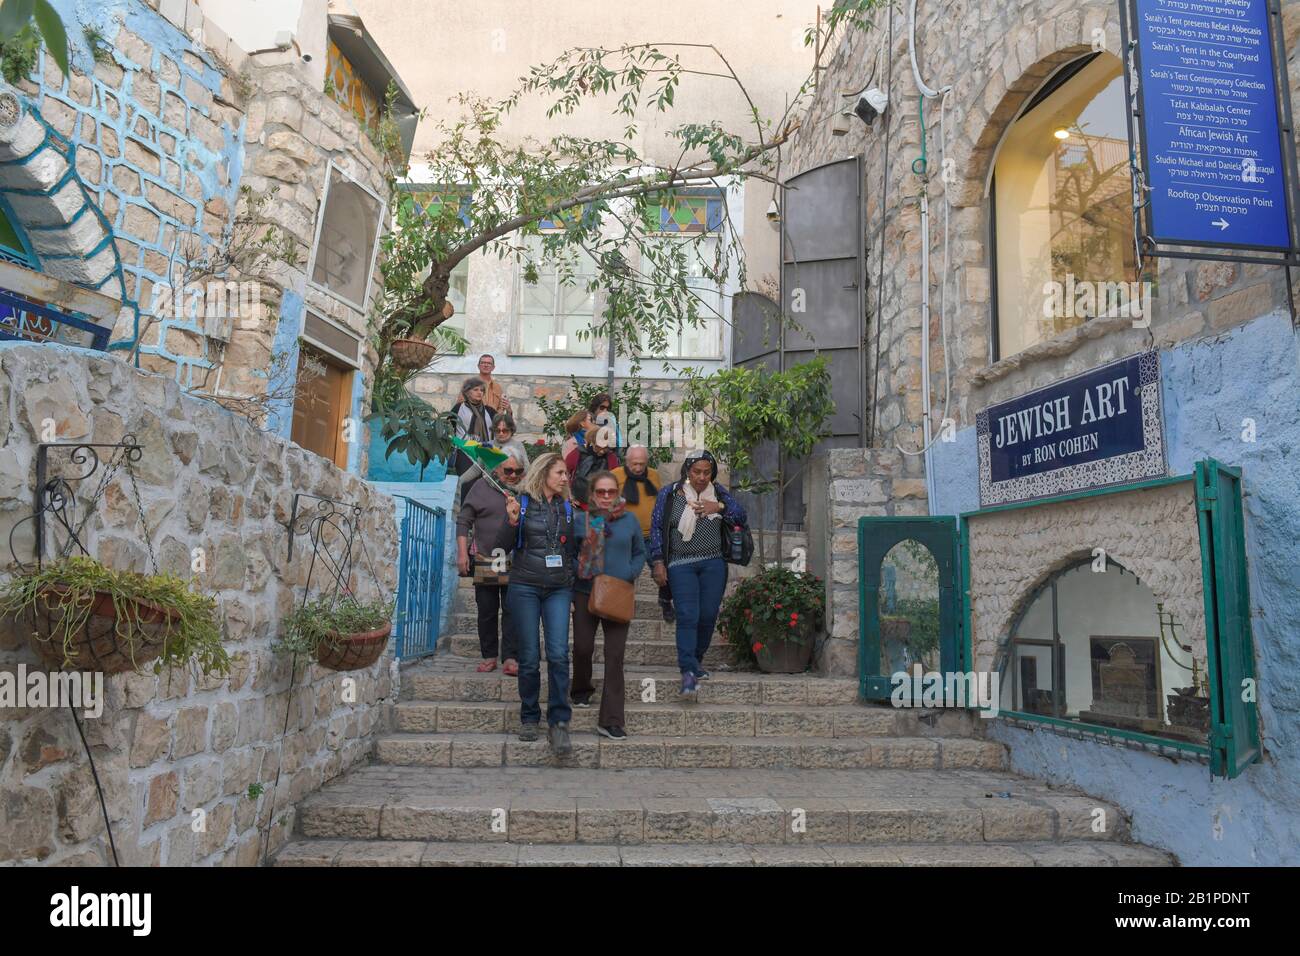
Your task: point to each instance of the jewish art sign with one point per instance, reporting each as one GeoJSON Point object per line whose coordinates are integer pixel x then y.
{"type": "Point", "coordinates": [1104, 427]}
{"type": "Point", "coordinates": [1211, 136]}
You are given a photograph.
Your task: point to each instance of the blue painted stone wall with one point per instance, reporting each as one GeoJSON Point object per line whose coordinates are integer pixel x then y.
{"type": "Point", "coordinates": [1210, 387]}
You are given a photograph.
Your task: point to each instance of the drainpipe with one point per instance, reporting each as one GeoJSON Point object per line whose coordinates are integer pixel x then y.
{"type": "Point", "coordinates": [929, 93]}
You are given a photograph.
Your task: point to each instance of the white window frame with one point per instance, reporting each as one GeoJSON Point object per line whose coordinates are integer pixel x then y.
{"type": "Point", "coordinates": [330, 167]}
{"type": "Point", "coordinates": [717, 235]}
{"type": "Point", "coordinates": [517, 318]}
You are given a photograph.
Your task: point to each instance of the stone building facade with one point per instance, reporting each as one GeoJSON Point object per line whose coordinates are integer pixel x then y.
{"type": "Point", "coordinates": [178, 747]}
{"type": "Point", "coordinates": [1229, 364]}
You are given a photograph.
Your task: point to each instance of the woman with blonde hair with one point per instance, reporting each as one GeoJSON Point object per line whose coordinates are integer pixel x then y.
{"type": "Point", "coordinates": [540, 533]}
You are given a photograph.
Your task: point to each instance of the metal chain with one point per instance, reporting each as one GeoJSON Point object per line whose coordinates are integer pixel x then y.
{"type": "Point", "coordinates": [144, 521]}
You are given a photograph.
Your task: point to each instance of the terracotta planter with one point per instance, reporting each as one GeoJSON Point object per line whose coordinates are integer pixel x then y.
{"type": "Point", "coordinates": [355, 651]}
{"type": "Point", "coordinates": [410, 354]}
{"type": "Point", "coordinates": [106, 642]}
{"type": "Point", "coordinates": [784, 650]}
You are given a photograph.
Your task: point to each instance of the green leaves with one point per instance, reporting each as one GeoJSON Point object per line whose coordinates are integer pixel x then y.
{"type": "Point", "coordinates": [56, 40]}
{"type": "Point", "coordinates": [747, 407]}
{"type": "Point", "coordinates": [16, 18]}
{"type": "Point", "coordinates": [14, 15]}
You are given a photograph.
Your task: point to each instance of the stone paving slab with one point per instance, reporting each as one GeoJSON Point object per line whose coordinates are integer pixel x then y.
{"type": "Point", "coordinates": [769, 807]}
{"type": "Point", "coordinates": [682, 752]}
{"type": "Point", "coordinates": [338, 853]}
{"type": "Point", "coordinates": [640, 649]}
{"type": "Point", "coordinates": [683, 719]}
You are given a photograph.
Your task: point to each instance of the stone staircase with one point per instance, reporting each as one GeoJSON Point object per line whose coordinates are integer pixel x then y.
{"type": "Point", "coordinates": [761, 770]}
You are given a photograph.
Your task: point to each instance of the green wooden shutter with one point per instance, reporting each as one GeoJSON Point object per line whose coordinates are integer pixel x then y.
{"type": "Point", "coordinates": [1234, 727]}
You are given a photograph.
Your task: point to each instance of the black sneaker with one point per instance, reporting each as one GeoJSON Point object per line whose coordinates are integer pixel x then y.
{"type": "Point", "coordinates": [669, 614]}
{"type": "Point", "coordinates": [529, 732]}
{"type": "Point", "coordinates": [583, 702]}
{"type": "Point", "coordinates": [613, 733]}
{"type": "Point", "coordinates": [559, 738]}
{"type": "Point", "coordinates": [702, 675]}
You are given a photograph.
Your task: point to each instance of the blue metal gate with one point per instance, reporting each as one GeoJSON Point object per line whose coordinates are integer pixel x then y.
{"type": "Point", "coordinates": [420, 577]}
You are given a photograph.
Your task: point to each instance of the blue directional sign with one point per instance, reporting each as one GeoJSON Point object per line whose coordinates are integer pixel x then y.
{"type": "Point", "coordinates": [1210, 128]}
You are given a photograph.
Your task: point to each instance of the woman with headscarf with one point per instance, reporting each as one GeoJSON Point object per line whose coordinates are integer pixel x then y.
{"type": "Point", "coordinates": [610, 543]}
{"type": "Point", "coordinates": [473, 423]}
{"type": "Point", "coordinates": [687, 536]}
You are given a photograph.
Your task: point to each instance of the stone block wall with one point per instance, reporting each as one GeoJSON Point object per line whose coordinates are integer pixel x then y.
{"type": "Point", "coordinates": [168, 745]}
{"type": "Point", "coordinates": [860, 482]}
{"type": "Point", "coordinates": [156, 141]}
{"type": "Point", "coordinates": [995, 53]}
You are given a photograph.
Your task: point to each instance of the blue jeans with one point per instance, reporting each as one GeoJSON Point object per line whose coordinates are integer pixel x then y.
{"type": "Point", "coordinates": [547, 609]}
{"type": "Point", "coordinates": [697, 594]}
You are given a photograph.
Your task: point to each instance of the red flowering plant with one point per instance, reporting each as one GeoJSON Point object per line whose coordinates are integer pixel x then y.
{"type": "Point", "coordinates": [774, 604]}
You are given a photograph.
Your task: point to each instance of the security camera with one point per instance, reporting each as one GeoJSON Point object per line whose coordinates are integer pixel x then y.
{"type": "Point", "coordinates": [871, 104]}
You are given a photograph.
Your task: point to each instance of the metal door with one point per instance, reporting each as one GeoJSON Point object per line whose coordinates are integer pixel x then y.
{"type": "Point", "coordinates": [420, 576]}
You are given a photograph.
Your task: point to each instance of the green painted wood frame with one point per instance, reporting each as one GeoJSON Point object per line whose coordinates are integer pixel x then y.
{"type": "Point", "coordinates": [1234, 735]}
{"type": "Point", "coordinates": [876, 536]}
{"type": "Point", "coordinates": [1230, 648]}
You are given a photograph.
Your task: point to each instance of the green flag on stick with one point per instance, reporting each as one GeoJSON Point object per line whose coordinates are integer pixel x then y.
{"type": "Point", "coordinates": [485, 456]}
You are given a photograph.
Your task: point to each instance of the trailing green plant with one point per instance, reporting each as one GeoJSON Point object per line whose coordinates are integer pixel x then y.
{"type": "Point", "coordinates": [628, 404]}
{"type": "Point", "coordinates": [19, 54]}
{"type": "Point", "coordinates": [328, 89]}
{"type": "Point", "coordinates": [99, 48]}
{"type": "Point", "coordinates": [191, 634]}
{"type": "Point", "coordinates": [329, 622]}
{"type": "Point", "coordinates": [24, 26]}
{"type": "Point", "coordinates": [775, 602]}
{"type": "Point", "coordinates": [411, 426]}
{"type": "Point", "coordinates": [255, 790]}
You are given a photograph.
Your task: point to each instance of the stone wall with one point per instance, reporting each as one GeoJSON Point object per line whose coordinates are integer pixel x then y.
{"type": "Point", "coordinates": [166, 746]}
{"type": "Point", "coordinates": [1151, 533]}
{"type": "Point", "coordinates": [995, 53]}
{"type": "Point", "coordinates": [860, 482]}
{"type": "Point", "coordinates": [161, 132]}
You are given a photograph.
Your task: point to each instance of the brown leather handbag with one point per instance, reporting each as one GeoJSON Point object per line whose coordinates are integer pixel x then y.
{"type": "Point", "coordinates": [612, 599]}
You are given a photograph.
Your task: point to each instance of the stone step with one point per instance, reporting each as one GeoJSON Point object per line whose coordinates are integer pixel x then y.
{"type": "Point", "coordinates": [645, 587]}
{"type": "Point", "coordinates": [454, 679]}
{"type": "Point", "coordinates": [665, 719]}
{"type": "Point", "coordinates": [661, 653]}
{"type": "Point", "coordinates": [700, 806]}
{"type": "Point", "coordinates": [593, 751]}
{"type": "Point", "coordinates": [318, 852]}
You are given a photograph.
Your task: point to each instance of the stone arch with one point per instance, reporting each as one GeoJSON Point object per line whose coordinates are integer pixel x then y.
{"type": "Point", "coordinates": [69, 234]}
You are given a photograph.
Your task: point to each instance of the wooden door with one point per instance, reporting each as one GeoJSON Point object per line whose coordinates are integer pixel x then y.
{"type": "Point", "coordinates": [319, 409]}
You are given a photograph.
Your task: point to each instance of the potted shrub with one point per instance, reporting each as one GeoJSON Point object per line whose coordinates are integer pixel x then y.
{"type": "Point", "coordinates": [343, 635]}
{"type": "Point", "coordinates": [773, 619]}
{"type": "Point", "coordinates": [89, 617]}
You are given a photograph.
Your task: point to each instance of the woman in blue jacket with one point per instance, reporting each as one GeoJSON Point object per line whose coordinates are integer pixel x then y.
{"type": "Point", "coordinates": [687, 532]}
{"type": "Point", "coordinates": [609, 542]}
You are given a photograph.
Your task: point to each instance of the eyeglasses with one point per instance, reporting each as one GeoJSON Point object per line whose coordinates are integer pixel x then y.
{"type": "Point", "coordinates": [512, 471]}
{"type": "Point", "coordinates": [606, 491]}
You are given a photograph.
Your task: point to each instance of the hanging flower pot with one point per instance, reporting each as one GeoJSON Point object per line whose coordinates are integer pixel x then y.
{"type": "Point", "coordinates": [87, 617]}
{"type": "Point", "coordinates": [342, 634]}
{"type": "Point", "coordinates": [353, 652]}
{"type": "Point", "coordinates": [412, 354]}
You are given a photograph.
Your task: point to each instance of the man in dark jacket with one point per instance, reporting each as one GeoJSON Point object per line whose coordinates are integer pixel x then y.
{"type": "Point", "coordinates": [687, 536]}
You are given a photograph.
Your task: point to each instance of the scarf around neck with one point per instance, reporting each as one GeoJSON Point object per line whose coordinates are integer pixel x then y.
{"type": "Point", "coordinates": [686, 526]}
{"type": "Point", "coordinates": [632, 494]}
{"type": "Point", "coordinates": [591, 556]}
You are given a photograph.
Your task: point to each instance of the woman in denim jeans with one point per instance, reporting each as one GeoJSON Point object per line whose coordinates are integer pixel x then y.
{"type": "Point", "coordinates": [687, 531]}
{"type": "Point", "coordinates": [539, 530]}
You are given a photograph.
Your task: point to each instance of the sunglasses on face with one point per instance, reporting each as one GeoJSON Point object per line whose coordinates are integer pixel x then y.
{"type": "Point", "coordinates": [606, 491]}
{"type": "Point", "coordinates": [512, 471]}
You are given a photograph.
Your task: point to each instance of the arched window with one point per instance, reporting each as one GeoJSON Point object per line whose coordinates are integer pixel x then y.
{"type": "Point", "coordinates": [1096, 646]}
{"type": "Point", "coordinates": [1063, 207]}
